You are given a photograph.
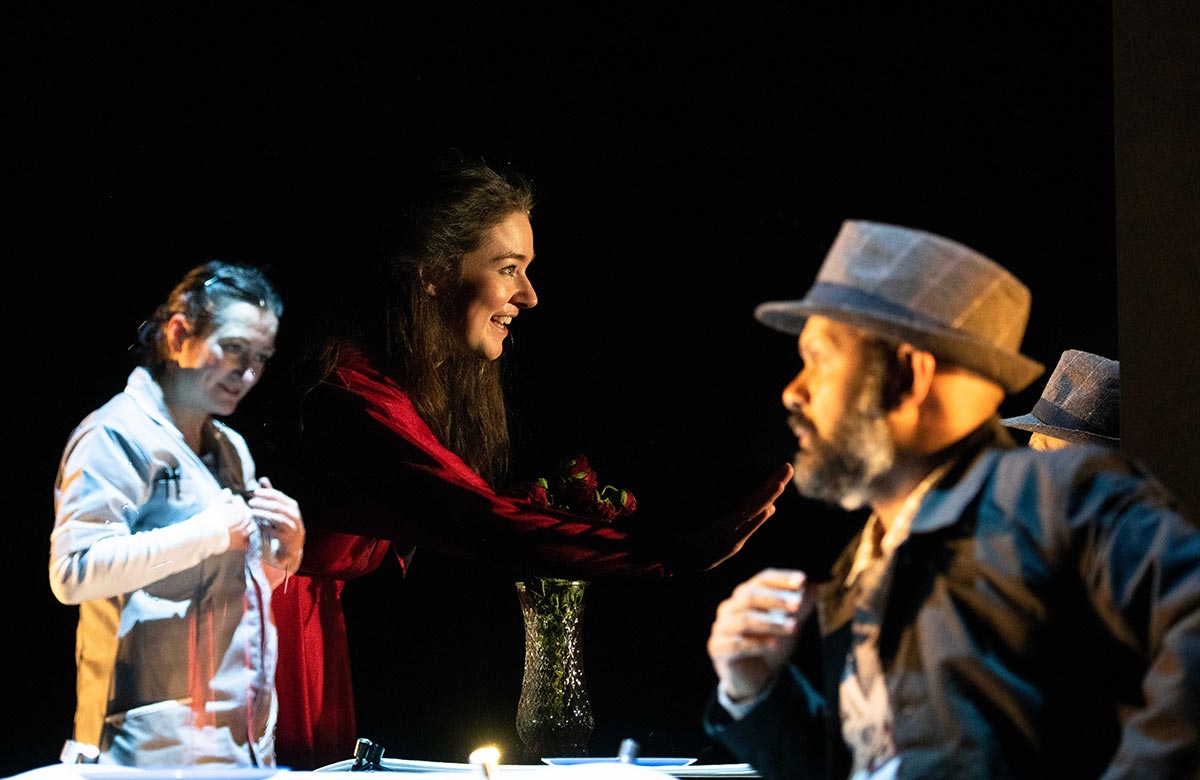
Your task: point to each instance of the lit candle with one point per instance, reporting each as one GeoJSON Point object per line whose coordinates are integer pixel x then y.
{"type": "Point", "coordinates": [487, 758]}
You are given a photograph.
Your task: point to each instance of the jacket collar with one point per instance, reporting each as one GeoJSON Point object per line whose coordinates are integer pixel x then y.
{"type": "Point", "coordinates": [972, 457]}
{"type": "Point", "coordinates": [945, 502]}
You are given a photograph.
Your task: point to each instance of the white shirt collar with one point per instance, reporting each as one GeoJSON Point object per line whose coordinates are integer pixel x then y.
{"type": "Point", "coordinates": [868, 550]}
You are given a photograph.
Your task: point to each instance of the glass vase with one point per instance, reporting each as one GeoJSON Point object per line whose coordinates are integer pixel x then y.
{"type": "Point", "coordinates": [554, 713]}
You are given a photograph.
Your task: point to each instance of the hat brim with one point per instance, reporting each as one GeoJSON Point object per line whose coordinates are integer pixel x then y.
{"type": "Point", "coordinates": [1012, 371]}
{"type": "Point", "coordinates": [1027, 422]}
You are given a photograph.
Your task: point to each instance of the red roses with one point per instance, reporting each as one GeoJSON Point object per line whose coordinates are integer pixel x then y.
{"type": "Point", "coordinates": [574, 486]}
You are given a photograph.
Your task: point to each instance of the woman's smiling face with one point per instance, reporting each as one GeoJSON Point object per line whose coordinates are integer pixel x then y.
{"type": "Point", "coordinates": [495, 286]}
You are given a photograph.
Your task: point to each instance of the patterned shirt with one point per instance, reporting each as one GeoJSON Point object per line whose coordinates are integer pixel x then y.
{"type": "Point", "coordinates": [865, 710]}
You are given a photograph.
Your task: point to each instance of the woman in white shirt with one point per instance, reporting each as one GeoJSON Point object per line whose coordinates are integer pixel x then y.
{"type": "Point", "coordinates": [171, 544]}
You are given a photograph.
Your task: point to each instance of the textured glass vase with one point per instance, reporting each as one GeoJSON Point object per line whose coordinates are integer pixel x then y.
{"type": "Point", "coordinates": [554, 714]}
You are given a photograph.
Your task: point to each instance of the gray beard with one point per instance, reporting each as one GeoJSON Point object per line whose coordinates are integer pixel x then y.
{"type": "Point", "coordinates": [842, 469]}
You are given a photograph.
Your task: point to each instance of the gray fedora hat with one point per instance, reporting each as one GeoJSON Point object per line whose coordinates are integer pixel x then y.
{"type": "Point", "coordinates": [1081, 402]}
{"type": "Point", "coordinates": [936, 294]}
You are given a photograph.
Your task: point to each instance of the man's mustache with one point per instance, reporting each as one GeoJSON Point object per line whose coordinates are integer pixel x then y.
{"type": "Point", "coordinates": [801, 424]}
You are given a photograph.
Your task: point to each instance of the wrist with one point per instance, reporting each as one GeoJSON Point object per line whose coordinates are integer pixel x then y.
{"type": "Point", "coordinates": [739, 707]}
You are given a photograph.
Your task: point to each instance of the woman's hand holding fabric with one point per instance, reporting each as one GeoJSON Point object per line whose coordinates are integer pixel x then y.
{"type": "Point", "coordinates": [278, 515]}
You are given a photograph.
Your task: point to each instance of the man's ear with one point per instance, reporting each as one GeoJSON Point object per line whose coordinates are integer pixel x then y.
{"type": "Point", "coordinates": [909, 374]}
{"type": "Point", "coordinates": [922, 366]}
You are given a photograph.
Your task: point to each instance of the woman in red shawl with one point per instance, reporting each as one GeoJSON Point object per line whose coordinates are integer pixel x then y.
{"type": "Point", "coordinates": [405, 437]}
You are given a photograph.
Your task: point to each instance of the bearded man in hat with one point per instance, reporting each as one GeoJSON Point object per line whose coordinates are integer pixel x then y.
{"type": "Point", "coordinates": [1080, 403]}
{"type": "Point", "coordinates": [1004, 612]}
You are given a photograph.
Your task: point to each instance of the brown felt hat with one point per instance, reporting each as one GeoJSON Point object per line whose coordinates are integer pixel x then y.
{"type": "Point", "coordinates": [913, 286]}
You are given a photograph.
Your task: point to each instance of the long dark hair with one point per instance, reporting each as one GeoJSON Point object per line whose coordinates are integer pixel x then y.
{"type": "Point", "coordinates": [448, 209]}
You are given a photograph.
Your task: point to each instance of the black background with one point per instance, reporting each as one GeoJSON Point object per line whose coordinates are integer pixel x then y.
{"type": "Point", "coordinates": [689, 164]}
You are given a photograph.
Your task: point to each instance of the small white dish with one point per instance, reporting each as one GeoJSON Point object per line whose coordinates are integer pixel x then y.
{"type": "Point", "coordinates": [640, 761]}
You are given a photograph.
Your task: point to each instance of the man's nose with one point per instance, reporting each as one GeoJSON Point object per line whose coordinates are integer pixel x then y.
{"type": "Point", "coordinates": [795, 393]}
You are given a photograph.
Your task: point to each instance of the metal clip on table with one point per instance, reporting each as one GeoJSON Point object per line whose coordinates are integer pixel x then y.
{"type": "Point", "coordinates": [368, 757]}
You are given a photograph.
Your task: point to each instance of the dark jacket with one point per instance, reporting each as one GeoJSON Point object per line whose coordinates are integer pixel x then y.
{"type": "Point", "coordinates": [1043, 622]}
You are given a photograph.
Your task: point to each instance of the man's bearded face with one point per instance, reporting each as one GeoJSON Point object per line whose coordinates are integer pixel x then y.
{"type": "Point", "coordinates": [840, 469]}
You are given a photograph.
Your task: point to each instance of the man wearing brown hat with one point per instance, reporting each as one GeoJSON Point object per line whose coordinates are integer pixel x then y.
{"type": "Point", "coordinates": [1005, 612]}
{"type": "Point", "coordinates": [1081, 403]}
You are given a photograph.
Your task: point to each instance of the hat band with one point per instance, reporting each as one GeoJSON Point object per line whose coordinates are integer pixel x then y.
{"type": "Point", "coordinates": [1061, 418]}
{"type": "Point", "coordinates": [840, 295]}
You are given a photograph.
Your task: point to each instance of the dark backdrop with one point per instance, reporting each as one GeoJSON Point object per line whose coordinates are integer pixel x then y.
{"type": "Point", "coordinates": [688, 166]}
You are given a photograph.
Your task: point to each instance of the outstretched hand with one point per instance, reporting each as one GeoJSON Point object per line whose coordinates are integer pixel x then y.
{"type": "Point", "coordinates": [721, 539]}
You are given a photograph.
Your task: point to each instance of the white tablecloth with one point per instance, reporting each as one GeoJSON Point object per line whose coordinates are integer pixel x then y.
{"type": "Point", "coordinates": [430, 770]}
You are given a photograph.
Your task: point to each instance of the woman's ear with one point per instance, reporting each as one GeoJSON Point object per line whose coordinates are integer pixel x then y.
{"type": "Point", "coordinates": [176, 331]}
{"type": "Point", "coordinates": [430, 288]}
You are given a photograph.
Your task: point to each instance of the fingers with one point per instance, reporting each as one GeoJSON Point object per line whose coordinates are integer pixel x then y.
{"type": "Point", "coordinates": [277, 513]}
{"type": "Point", "coordinates": [771, 603]}
{"type": "Point", "coordinates": [777, 579]}
{"type": "Point", "coordinates": [781, 477]}
{"type": "Point", "coordinates": [756, 630]}
{"type": "Point", "coordinates": [237, 520]}
{"type": "Point", "coordinates": [771, 589]}
{"type": "Point", "coordinates": [772, 586]}
{"type": "Point", "coordinates": [773, 487]}
{"type": "Point", "coordinates": [769, 491]}
{"type": "Point", "coordinates": [276, 522]}
{"type": "Point", "coordinates": [755, 521]}
{"type": "Point", "coordinates": [725, 537]}
{"type": "Point", "coordinates": [274, 504]}
{"type": "Point", "coordinates": [761, 504]}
